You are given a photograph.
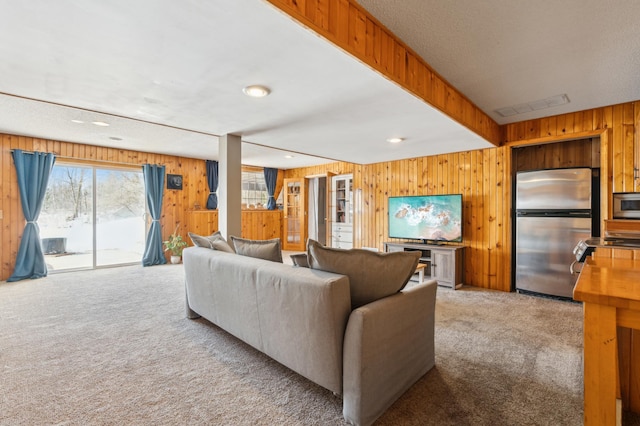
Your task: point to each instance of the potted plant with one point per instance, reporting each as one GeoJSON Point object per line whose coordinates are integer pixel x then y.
{"type": "Point", "coordinates": [175, 244]}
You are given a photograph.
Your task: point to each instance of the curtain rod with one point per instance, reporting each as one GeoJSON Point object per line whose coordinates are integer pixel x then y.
{"type": "Point", "coordinates": [88, 160]}
{"type": "Point", "coordinates": [82, 160]}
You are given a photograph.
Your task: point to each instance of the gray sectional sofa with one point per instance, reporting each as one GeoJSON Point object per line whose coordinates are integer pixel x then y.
{"type": "Point", "coordinates": [304, 318]}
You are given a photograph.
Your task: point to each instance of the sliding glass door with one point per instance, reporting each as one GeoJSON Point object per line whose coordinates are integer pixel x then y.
{"type": "Point", "coordinates": [92, 217]}
{"type": "Point", "coordinates": [119, 212]}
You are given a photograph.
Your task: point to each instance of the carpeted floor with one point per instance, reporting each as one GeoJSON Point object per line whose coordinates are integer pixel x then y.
{"type": "Point", "coordinates": [113, 347]}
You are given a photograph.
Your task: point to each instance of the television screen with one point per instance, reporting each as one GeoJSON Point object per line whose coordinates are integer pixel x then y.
{"type": "Point", "coordinates": [426, 217]}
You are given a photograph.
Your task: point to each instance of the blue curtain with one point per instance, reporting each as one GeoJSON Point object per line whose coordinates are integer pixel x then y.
{"type": "Point", "coordinates": [154, 189]}
{"type": "Point", "coordinates": [212, 179]}
{"type": "Point", "coordinates": [33, 170]}
{"type": "Point", "coordinates": [271, 177]}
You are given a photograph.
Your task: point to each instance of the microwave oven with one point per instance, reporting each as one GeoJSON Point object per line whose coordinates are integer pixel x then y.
{"type": "Point", "coordinates": [626, 205]}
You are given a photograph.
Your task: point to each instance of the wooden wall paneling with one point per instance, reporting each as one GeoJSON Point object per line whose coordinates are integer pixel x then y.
{"type": "Point", "coordinates": [491, 217]}
{"type": "Point", "coordinates": [379, 190]}
{"type": "Point", "coordinates": [426, 175]}
{"type": "Point", "coordinates": [467, 197]}
{"type": "Point", "coordinates": [454, 174]}
{"type": "Point", "coordinates": [506, 218]}
{"type": "Point", "coordinates": [443, 174]}
{"type": "Point", "coordinates": [399, 174]}
{"type": "Point", "coordinates": [636, 146]}
{"type": "Point", "coordinates": [382, 194]}
{"type": "Point", "coordinates": [397, 182]}
{"type": "Point", "coordinates": [202, 222]}
{"type": "Point", "coordinates": [374, 182]}
{"type": "Point", "coordinates": [5, 205]}
{"type": "Point", "coordinates": [175, 205]}
{"type": "Point", "coordinates": [578, 124]}
{"type": "Point", "coordinates": [617, 149]}
{"type": "Point", "coordinates": [628, 150]}
{"type": "Point", "coordinates": [17, 218]}
{"type": "Point", "coordinates": [480, 216]}
{"type": "Point", "coordinates": [370, 206]}
{"type": "Point", "coordinates": [569, 123]}
{"type": "Point", "coordinates": [486, 223]}
{"type": "Point", "coordinates": [365, 218]}
{"type": "Point", "coordinates": [370, 170]}
{"type": "Point", "coordinates": [472, 231]}
{"type": "Point", "coordinates": [249, 219]}
{"type": "Point", "coordinates": [418, 173]}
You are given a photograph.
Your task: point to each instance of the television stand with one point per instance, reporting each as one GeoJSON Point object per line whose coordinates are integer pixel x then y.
{"type": "Point", "coordinates": [443, 263]}
{"type": "Point", "coordinates": [433, 243]}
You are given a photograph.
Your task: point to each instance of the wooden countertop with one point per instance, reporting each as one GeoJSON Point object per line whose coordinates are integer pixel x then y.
{"type": "Point", "coordinates": [610, 282]}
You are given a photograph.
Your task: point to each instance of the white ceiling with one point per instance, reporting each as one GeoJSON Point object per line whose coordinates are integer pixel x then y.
{"type": "Point", "coordinates": [167, 76]}
{"type": "Point", "coordinates": [501, 53]}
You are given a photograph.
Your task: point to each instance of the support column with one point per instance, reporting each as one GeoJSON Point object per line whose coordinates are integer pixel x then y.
{"type": "Point", "coordinates": [230, 186]}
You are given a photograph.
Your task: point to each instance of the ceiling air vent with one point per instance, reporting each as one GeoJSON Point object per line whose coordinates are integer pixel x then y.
{"type": "Point", "coordinates": [533, 106]}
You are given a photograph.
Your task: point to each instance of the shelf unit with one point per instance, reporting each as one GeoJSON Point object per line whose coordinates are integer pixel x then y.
{"type": "Point", "coordinates": [342, 211]}
{"type": "Point", "coordinates": [443, 263]}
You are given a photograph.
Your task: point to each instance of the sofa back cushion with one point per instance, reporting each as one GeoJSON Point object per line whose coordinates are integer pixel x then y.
{"type": "Point", "coordinates": [262, 249]}
{"type": "Point", "coordinates": [372, 275]}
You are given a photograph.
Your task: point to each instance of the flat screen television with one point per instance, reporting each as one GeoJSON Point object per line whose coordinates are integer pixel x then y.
{"type": "Point", "coordinates": [426, 217]}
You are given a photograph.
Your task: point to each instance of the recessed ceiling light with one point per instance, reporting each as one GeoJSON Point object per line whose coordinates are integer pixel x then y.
{"type": "Point", "coordinates": [395, 140]}
{"type": "Point", "coordinates": [77, 121]}
{"type": "Point", "coordinates": [256, 91]}
{"type": "Point", "coordinates": [100, 123]}
{"type": "Point", "coordinates": [288, 156]}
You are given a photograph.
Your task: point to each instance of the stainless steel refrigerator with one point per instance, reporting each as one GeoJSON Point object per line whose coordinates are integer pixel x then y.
{"type": "Point", "coordinates": [553, 213]}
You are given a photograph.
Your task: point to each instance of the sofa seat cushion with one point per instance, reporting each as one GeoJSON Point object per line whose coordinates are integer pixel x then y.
{"type": "Point", "coordinates": [372, 275]}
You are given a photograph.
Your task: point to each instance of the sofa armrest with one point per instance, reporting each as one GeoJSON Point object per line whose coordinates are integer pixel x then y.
{"type": "Point", "coordinates": [388, 346]}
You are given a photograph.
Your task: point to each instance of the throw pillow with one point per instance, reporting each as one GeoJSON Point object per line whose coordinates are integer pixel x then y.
{"type": "Point", "coordinates": [214, 241]}
{"type": "Point", "coordinates": [300, 260]}
{"type": "Point", "coordinates": [221, 245]}
{"type": "Point", "coordinates": [199, 240]}
{"type": "Point", "coordinates": [372, 275]}
{"type": "Point", "coordinates": [262, 249]}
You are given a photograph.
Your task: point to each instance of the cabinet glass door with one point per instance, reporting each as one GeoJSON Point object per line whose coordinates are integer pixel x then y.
{"type": "Point", "coordinates": [294, 215]}
{"type": "Point", "coordinates": [342, 211]}
{"type": "Point", "coordinates": [342, 200]}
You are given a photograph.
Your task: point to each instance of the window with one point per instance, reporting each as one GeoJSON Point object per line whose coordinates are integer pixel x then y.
{"type": "Point", "coordinates": [254, 189]}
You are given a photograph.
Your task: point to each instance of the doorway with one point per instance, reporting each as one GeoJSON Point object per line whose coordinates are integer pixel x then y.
{"type": "Point", "coordinates": [317, 223]}
{"type": "Point", "coordinates": [92, 217]}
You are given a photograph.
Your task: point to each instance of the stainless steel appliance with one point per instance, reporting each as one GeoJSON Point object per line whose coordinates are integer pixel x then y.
{"type": "Point", "coordinates": [626, 205]}
{"type": "Point", "coordinates": [553, 212]}
{"type": "Point", "coordinates": [581, 251]}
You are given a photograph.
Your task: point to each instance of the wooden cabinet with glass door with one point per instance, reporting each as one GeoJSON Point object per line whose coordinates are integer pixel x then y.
{"type": "Point", "coordinates": [295, 224]}
{"type": "Point", "coordinates": [342, 211]}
